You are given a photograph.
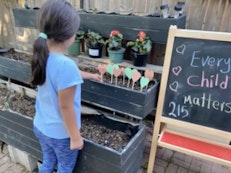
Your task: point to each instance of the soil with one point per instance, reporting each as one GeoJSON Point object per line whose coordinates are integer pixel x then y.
{"type": "Point", "coordinates": [120, 81]}
{"type": "Point", "coordinates": [90, 130]}
{"type": "Point", "coordinates": [3, 97]}
{"type": "Point", "coordinates": [18, 56]}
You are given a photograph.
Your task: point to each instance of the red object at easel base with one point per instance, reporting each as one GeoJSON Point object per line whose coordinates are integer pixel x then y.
{"type": "Point", "coordinates": [196, 145]}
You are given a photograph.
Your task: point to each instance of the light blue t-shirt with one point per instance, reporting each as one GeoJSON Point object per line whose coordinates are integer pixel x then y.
{"type": "Point", "coordinates": [61, 73]}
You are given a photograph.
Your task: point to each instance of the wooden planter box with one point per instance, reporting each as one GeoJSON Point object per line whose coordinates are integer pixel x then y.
{"type": "Point", "coordinates": [155, 27]}
{"type": "Point", "coordinates": [99, 159]}
{"type": "Point", "coordinates": [120, 99]}
{"type": "Point", "coordinates": [16, 130]}
{"type": "Point", "coordinates": [103, 23]}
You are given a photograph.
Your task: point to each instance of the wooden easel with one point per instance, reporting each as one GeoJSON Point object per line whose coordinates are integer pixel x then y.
{"type": "Point", "coordinates": [201, 139]}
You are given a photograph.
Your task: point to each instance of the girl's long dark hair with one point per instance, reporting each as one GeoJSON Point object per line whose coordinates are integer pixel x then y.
{"type": "Point", "coordinates": [59, 21]}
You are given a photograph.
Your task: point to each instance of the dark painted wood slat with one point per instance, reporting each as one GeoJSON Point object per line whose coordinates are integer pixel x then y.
{"type": "Point", "coordinates": [25, 18]}
{"type": "Point", "coordinates": [116, 92]}
{"type": "Point", "coordinates": [21, 120]}
{"type": "Point", "coordinates": [136, 142]}
{"type": "Point", "coordinates": [21, 138]}
{"type": "Point", "coordinates": [17, 70]}
{"type": "Point", "coordinates": [129, 21]}
{"type": "Point", "coordinates": [113, 104]}
{"type": "Point", "coordinates": [10, 140]}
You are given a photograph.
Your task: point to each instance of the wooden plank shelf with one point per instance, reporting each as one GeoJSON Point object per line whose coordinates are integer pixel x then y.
{"type": "Point", "coordinates": [85, 59]}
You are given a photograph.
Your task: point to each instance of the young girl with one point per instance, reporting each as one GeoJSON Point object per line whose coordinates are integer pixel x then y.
{"type": "Point", "coordinates": [58, 101]}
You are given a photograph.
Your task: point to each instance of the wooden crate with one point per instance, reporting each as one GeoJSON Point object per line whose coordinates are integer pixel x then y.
{"type": "Point", "coordinates": [120, 99]}
{"type": "Point", "coordinates": [17, 130]}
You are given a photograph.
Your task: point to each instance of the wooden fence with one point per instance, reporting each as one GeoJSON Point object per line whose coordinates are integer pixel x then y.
{"type": "Point", "coordinates": [209, 15]}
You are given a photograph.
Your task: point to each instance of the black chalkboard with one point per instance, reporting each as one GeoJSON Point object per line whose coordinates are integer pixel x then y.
{"type": "Point", "coordinates": [199, 83]}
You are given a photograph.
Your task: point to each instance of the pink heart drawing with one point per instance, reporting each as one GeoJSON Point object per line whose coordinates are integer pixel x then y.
{"type": "Point", "coordinates": [149, 74]}
{"type": "Point", "coordinates": [135, 76]}
{"type": "Point", "coordinates": [174, 86]}
{"type": "Point", "coordinates": [116, 72]}
{"type": "Point", "coordinates": [181, 49]}
{"type": "Point", "coordinates": [102, 68]}
{"type": "Point", "coordinates": [176, 70]}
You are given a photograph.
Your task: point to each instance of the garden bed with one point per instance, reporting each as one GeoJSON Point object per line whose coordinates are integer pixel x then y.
{"type": "Point", "coordinates": [108, 144]}
{"type": "Point", "coordinates": [116, 97]}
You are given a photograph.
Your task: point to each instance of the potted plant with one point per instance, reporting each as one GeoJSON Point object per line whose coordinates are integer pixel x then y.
{"type": "Point", "coordinates": [74, 49]}
{"type": "Point", "coordinates": [115, 49]}
{"type": "Point", "coordinates": [140, 49]}
{"type": "Point", "coordinates": [95, 44]}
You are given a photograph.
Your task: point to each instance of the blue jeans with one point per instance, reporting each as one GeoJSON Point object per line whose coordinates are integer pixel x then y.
{"type": "Point", "coordinates": [56, 152]}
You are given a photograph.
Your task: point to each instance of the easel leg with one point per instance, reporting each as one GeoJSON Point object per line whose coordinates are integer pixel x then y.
{"type": "Point", "coordinates": [156, 131]}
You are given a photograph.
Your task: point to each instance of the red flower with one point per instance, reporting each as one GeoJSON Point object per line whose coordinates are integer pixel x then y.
{"type": "Point", "coordinates": [141, 35]}
{"type": "Point", "coordinates": [142, 44]}
{"type": "Point", "coordinates": [114, 32]}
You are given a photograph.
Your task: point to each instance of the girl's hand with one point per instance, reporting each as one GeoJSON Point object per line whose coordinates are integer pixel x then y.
{"type": "Point", "coordinates": [96, 77]}
{"type": "Point", "coordinates": [76, 143]}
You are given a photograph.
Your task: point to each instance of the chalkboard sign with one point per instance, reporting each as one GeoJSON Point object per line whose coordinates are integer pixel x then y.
{"type": "Point", "coordinates": [199, 83]}
{"type": "Point", "coordinates": [193, 113]}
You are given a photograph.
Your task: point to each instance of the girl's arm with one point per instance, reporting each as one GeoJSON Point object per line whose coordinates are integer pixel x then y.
{"type": "Point", "coordinates": [66, 105]}
{"type": "Point", "coordinates": [94, 76]}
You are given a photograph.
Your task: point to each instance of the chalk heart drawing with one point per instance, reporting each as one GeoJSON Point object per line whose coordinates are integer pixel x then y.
{"type": "Point", "coordinates": [102, 68]}
{"type": "Point", "coordinates": [180, 49]}
{"type": "Point", "coordinates": [116, 72]}
{"type": "Point", "coordinates": [174, 86]}
{"type": "Point", "coordinates": [176, 70]}
{"type": "Point", "coordinates": [135, 76]}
